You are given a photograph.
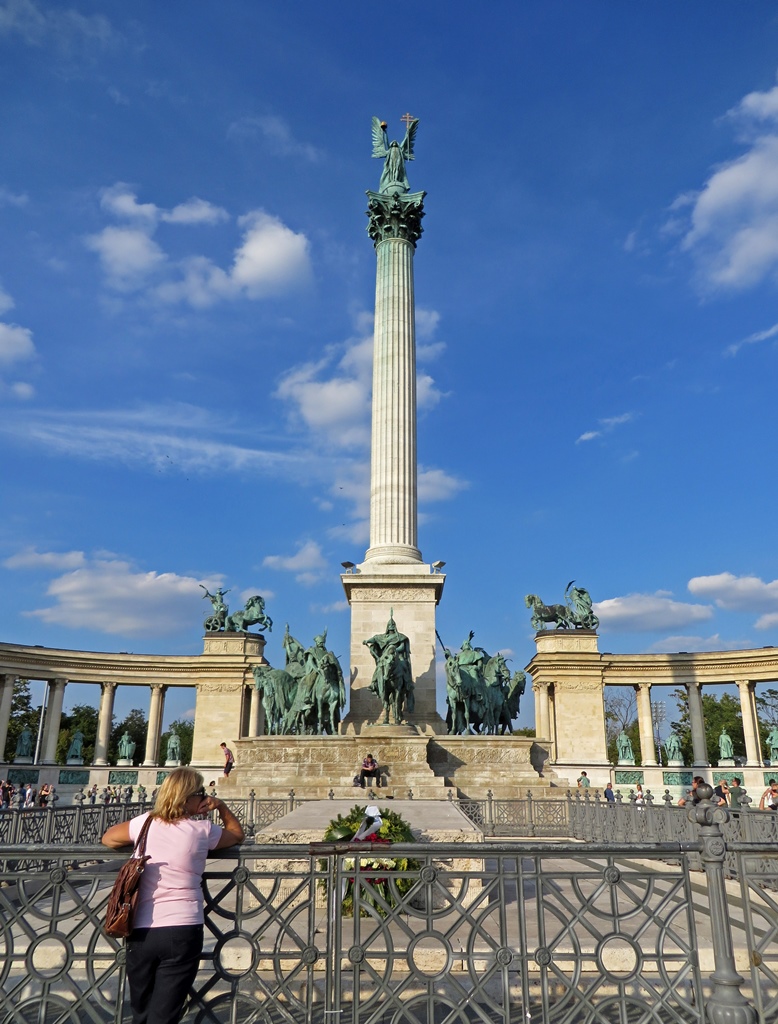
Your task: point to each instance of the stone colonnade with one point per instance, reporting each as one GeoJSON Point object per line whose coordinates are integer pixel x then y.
{"type": "Point", "coordinates": [52, 720]}
{"type": "Point", "coordinates": [569, 679]}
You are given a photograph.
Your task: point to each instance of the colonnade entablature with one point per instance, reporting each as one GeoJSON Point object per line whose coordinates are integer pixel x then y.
{"type": "Point", "coordinates": [223, 667]}
{"type": "Point", "coordinates": [569, 676]}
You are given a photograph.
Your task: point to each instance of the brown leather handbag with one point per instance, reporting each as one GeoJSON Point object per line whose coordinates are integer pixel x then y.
{"type": "Point", "coordinates": [120, 911]}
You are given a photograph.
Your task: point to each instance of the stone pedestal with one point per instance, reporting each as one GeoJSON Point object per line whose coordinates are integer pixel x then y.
{"type": "Point", "coordinates": [675, 764]}
{"type": "Point", "coordinates": [630, 761]}
{"type": "Point", "coordinates": [75, 760]}
{"type": "Point", "coordinates": [726, 762]}
{"type": "Point", "coordinates": [172, 764]}
{"type": "Point", "coordinates": [567, 666]}
{"type": "Point", "coordinates": [224, 690]}
{"type": "Point", "coordinates": [22, 759]}
{"type": "Point", "coordinates": [125, 762]}
{"type": "Point", "coordinates": [410, 593]}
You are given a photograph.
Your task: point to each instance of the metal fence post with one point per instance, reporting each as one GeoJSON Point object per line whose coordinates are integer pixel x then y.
{"type": "Point", "coordinates": [530, 814]}
{"type": "Point", "coordinates": [727, 1004]}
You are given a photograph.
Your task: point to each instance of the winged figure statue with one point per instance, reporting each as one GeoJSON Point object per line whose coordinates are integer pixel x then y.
{"type": "Point", "coordinates": [394, 180]}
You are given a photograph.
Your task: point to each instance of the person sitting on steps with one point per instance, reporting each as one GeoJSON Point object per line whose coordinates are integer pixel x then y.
{"type": "Point", "coordinates": [370, 770]}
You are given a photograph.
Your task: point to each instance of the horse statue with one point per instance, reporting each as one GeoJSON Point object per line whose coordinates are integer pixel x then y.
{"type": "Point", "coordinates": [457, 696]}
{"type": "Point", "coordinates": [277, 690]}
{"type": "Point", "coordinates": [516, 688]}
{"type": "Point", "coordinates": [559, 615]}
{"type": "Point", "coordinates": [496, 679]}
{"type": "Point", "coordinates": [321, 692]}
{"type": "Point", "coordinates": [252, 615]}
{"type": "Point", "coordinates": [392, 680]}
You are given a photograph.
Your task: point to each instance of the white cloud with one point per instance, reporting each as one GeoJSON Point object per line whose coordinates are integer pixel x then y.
{"type": "Point", "coordinates": [736, 593]}
{"type": "Point", "coordinates": [31, 558]}
{"type": "Point", "coordinates": [752, 339]}
{"type": "Point", "coordinates": [277, 134]}
{"type": "Point", "coordinates": [22, 390]}
{"type": "Point", "coordinates": [6, 302]}
{"type": "Point", "coordinates": [16, 344]}
{"type": "Point", "coordinates": [437, 485]}
{"type": "Point", "coordinates": [646, 612]}
{"type": "Point", "coordinates": [8, 198]}
{"type": "Point", "coordinates": [127, 255]}
{"type": "Point", "coordinates": [109, 595]}
{"type": "Point", "coordinates": [606, 425]}
{"type": "Point", "coordinates": [271, 257]}
{"type": "Point", "coordinates": [195, 211]}
{"type": "Point", "coordinates": [306, 563]}
{"type": "Point", "coordinates": [732, 229]}
{"type": "Point", "coordinates": [38, 24]}
{"type": "Point", "coordinates": [769, 621]}
{"type": "Point", "coordinates": [175, 438]}
{"type": "Point", "coordinates": [693, 644]}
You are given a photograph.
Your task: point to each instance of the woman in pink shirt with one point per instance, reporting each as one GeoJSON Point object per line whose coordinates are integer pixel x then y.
{"type": "Point", "coordinates": [163, 951]}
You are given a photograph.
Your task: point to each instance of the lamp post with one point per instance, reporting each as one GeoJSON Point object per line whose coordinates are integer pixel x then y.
{"type": "Point", "coordinates": [658, 713]}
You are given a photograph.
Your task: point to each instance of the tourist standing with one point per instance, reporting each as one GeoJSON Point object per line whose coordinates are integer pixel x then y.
{"type": "Point", "coordinates": [93, 794]}
{"type": "Point", "coordinates": [164, 947]}
{"type": "Point", "coordinates": [609, 795]}
{"type": "Point", "coordinates": [229, 759]}
{"type": "Point", "coordinates": [720, 793]}
{"type": "Point", "coordinates": [769, 801]}
{"type": "Point", "coordinates": [639, 798]}
{"type": "Point", "coordinates": [736, 793]}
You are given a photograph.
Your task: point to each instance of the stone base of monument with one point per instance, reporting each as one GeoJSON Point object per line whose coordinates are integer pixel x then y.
{"type": "Point", "coordinates": [172, 764]}
{"type": "Point", "coordinates": [125, 762]}
{"type": "Point", "coordinates": [675, 764]}
{"type": "Point", "coordinates": [75, 760]}
{"type": "Point", "coordinates": [726, 762]}
{"type": "Point", "coordinates": [430, 823]}
{"type": "Point", "coordinates": [22, 759]}
{"type": "Point", "coordinates": [411, 765]}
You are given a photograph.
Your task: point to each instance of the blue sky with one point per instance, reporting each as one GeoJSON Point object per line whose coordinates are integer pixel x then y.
{"type": "Point", "coordinates": [186, 290]}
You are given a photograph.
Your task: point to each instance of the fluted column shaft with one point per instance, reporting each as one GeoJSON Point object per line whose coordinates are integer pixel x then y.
{"type": "Point", "coordinates": [542, 716]}
{"type": "Point", "coordinates": [6, 699]}
{"type": "Point", "coordinates": [53, 720]}
{"type": "Point", "coordinates": [697, 723]}
{"type": "Point", "coordinates": [156, 707]}
{"type": "Point", "coordinates": [393, 512]}
{"type": "Point", "coordinates": [646, 724]}
{"type": "Point", "coordinates": [748, 713]}
{"type": "Point", "coordinates": [104, 722]}
{"type": "Point", "coordinates": [255, 713]}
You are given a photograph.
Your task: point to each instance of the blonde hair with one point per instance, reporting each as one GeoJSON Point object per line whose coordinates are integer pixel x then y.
{"type": "Point", "coordinates": [170, 804]}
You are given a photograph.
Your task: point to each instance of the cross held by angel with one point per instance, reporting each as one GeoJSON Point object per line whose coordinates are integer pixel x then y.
{"type": "Point", "coordinates": [394, 180]}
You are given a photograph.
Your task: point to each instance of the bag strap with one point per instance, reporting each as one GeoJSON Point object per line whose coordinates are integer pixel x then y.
{"type": "Point", "coordinates": [140, 845]}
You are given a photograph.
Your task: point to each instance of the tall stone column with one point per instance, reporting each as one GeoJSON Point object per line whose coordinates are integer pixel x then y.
{"type": "Point", "coordinates": [53, 720]}
{"type": "Point", "coordinates": [697, 723]}
{"type": "Point", "coordinates": [104, 723]}
{"type": "Point", "coordinates": [393, 580]}
{"type": "Point", "coordinates": [750, 722]}
{"type": "Point", "coordinates": [542, 713]}
{"type": "Point", "coordinates": [646, 724]}
{"type": "Point", "coordinates": [393, 512]}
{"type": "Point", "coordinates": [156, 708]}
{"type": "Point", "coordinates": [6, 698]}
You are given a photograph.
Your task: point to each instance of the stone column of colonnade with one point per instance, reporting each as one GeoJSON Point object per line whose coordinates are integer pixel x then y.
{"type": "Point", "coordinates": [104, 723]}
{"type": "Point", "coordinates": [747, 691]}
{"type": "Point", "coordinates": [6, 698]}
{"type": "Point", "coordinates": [542, 711]}
{"type": "Point", "coordinates": [154, 731]}
{"type": "Point", "coordinates": [646, 724]}
{"type": "Point", "coordinates": [255, 714]}
{"type": "Point", "coordinates": [697, 723]}
{"type": "Point", "coordinates": [53, 719]}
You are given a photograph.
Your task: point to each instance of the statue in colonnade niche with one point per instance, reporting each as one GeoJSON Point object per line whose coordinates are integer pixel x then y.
{"type": "Point", "coordinates": [24, 743]}
{"type": "Point", "coordinates": [726, 749]}
{"type": "Point", "coordinates": [215, 621]}
{"type": "Point", "coordinates": [673, 748]}
{"type": "Point", "coordinates": [126, 747]}
{"type": "Point", "coordinates": [173, 746]}
{"type": "Point", "coordinates": [76, 748]}
{"type": "Point", "coordinates": [772, 744]}
{"type": "Point", "coordinates": [576, 613]}
{"type": "Point", "coordinates": [392, 680]}
{"type": "Point", "coordinates": [624, 748]}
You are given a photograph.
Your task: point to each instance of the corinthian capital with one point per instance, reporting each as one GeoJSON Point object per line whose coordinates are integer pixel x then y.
{"type": "Point", "coordinates": [397, 216]}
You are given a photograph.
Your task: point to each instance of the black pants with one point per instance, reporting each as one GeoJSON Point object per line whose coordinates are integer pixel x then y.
{"type": "Point", "coordinates": [368, 773]}
{"type": "Point", "coordinates": [162, 964]}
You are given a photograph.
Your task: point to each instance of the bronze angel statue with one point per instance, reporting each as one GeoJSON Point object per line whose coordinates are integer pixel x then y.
{"type": "Point", "coordinates": [394, 180]}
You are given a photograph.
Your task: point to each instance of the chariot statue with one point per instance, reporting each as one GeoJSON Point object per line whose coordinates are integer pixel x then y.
{"type": "Point", "coordinates": [576, 613]}
{"type": "Point", "coordinates": [215, 621]}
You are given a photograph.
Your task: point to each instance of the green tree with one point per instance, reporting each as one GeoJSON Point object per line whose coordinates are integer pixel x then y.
{"type": "Point", "coordinates": [82, 718]}
{"type": "Point", "coordinates": [719, 713]}
{"type": "Point", "coordinates": [23, 715]}
{"type": "Point", "coordinates": [135, 724]}
{"type": "Point", "coordinates": [185, 732]}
